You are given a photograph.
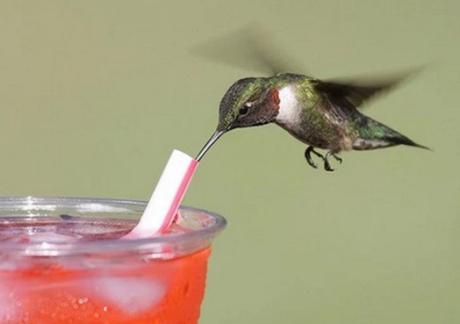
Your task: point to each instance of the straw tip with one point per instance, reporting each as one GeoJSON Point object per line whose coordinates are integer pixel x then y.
{"type": "Point", "coordinates": [177, 152]}
{"type": "Point", "coordinates": [182, 157]}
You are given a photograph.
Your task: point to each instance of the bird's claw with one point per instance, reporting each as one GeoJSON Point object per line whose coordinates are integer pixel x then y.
{"type": "Point", "coordinates": [327, 165]}
{"type": "Point", "coordinates": [337, 158]}
{"type": "Point", "coordinates": [308, 152]}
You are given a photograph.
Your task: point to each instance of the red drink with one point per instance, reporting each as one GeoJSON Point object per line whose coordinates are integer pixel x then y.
{"type": "Point", "coordinates": [75, 269]}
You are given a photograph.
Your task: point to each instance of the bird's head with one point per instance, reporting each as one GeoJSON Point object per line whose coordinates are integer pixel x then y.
{"type": "Point", "coordinates": [248, 102]}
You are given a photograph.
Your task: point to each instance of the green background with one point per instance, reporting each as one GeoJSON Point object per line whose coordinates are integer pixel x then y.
{"type": "Point", "coordinates": [94, 95]}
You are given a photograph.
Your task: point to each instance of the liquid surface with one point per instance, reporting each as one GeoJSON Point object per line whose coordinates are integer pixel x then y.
{"type": "Point", "coordinates": [67, 228]}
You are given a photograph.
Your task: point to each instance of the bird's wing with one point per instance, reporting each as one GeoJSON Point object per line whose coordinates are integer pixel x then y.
{"type": "Point", "coordinates": [251, 48]}
{"type": "Point", "coordinates": [359, 91]}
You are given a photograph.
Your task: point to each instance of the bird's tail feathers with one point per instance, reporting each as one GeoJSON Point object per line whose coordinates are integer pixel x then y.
{"type": "Point", "coordinates": [376, 135]}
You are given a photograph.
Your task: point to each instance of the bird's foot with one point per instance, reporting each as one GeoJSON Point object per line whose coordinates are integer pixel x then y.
{"type": "Point", "coordinates": [335, 156]}
{"type": "Point", "coordinates": [308, 157]}
{"type": "Point", "coordinates": [327, 165]}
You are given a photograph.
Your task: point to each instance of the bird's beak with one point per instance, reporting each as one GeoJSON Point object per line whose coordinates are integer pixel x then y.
{"type": "Point", "coordinates": [209, 143]}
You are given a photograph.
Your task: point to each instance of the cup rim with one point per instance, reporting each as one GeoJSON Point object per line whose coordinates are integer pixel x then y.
{"type": "Point", "coordinates": [107, 245]}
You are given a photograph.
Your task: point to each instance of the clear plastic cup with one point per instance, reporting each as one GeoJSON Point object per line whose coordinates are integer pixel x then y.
{"type": "Point", "coordinates": [62, 261]}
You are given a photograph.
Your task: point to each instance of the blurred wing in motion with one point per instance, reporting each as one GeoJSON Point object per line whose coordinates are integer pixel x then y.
{"type": "Point", "coordinates": [359, 91]}
{"type": "Point", "coordinates": [250, 48]}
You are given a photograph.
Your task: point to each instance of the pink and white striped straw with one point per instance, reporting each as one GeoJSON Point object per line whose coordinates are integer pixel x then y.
{"type": "Point", "coordinates": [164, 203]}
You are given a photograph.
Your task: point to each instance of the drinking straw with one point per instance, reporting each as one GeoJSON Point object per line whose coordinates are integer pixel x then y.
{"type": "Point", "coordinates": [164, 203]}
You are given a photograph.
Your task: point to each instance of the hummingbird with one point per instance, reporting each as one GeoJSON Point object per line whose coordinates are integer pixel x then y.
{"type": "Point", "coordinates": [323, 114]}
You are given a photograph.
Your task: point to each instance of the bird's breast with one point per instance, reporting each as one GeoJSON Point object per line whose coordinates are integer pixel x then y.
{"type": "Point", "coordinates": [290, 108]}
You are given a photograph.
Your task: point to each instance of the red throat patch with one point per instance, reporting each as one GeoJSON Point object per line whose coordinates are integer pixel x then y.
{"type": "Point", "coordinates": [275, 98]}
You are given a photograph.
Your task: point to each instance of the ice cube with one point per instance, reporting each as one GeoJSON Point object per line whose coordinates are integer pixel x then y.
{"type": "Point", "coordinates": [51, 237]}
{"type": "Point", "coordinates": [8, 308]}
{"type": "Point", "coordinates": [47, 243]}
{"type": "Point", "coordinates": [131, 295]}
{"type": "Point", "coordinates": [92, 229]}
{"type": "Point", "coordinates": [86, 229]}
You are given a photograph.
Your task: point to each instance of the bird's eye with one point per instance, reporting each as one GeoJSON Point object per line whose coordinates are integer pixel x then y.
{"type": "Point", "coordinates": [244, 110]}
